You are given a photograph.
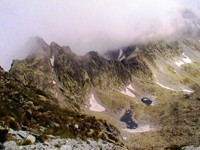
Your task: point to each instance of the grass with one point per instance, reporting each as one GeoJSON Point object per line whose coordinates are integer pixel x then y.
{"type": "Point", "coordinates": [115, 101]}
{"type": "Point", "coordinates": [191, 74]}
{"type": "Point", "coordinates": [177, 116]}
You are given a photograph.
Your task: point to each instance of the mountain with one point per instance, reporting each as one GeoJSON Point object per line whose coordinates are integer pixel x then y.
{"type": "Point", "coordinates": [144, 96]}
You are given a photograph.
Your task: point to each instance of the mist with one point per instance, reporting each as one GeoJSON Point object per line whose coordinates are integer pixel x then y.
{"type": "Point", "coordinates": [87, 25]}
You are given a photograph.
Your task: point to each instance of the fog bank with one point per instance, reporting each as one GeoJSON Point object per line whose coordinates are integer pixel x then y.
{"type": "Point", "coordinates": [87, 25]}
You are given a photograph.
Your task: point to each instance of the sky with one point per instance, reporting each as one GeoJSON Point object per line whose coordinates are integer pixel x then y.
{"type": "Point", "coordinates": [86, 25]}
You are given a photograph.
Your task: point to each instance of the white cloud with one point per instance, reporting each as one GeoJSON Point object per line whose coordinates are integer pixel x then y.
{"type": "Point", "coordinates": [85, 25]}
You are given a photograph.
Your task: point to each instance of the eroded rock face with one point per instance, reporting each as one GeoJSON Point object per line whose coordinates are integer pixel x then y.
{"type": "Point", "coordinates": [66, 78]}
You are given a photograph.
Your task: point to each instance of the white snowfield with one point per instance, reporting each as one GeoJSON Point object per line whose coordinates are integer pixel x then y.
{"type": "Point", "coordinates": [127, 91]}
{"type": "Point", "coordinates": [140, 129]}
{"type": "Point", "coordinates": [94, 106]}
{"type": "Point", "coordinates": [163, 86]}
{"type": "Point", "coordinates": [52, 59]}
{"type": "Point", "coordinates": [185, 60]}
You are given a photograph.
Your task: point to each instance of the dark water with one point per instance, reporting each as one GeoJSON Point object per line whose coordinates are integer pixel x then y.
{"type": "Point", "coordinates": [146, 101]}
{"type": "Point", "coordinates": [127, 118]}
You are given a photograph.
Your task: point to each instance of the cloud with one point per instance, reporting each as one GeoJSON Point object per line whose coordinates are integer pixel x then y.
{"type": "Point", "coordinates": [86, 25]}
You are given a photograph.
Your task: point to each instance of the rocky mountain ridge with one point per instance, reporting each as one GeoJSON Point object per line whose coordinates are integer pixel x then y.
{"type": "Point", "coordinates": [69, 76]}
{"type": "Point", "coordinates": [71, 96]}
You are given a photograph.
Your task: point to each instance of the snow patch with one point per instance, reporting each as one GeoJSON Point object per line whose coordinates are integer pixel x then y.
{"type": "Point", "coordinates": [179, 63]}
{"type": "Point", "coordinates": [52, 59]}
{"type": "Point", "coordinates": [130, 87]}
{"type": "Point", "coordinates": [164, 86]}
{"type": "Point", "coordinates": [186, 59]}
{"type": "Point", "coordinates": [140, 129]}
{"type": "Point", "coordinates": [188, 91]}
{"type": "Point", "coordinates": [127, 92]}
{"type": "Point", "coordinates": [94, 105]}
{"type": "Point", "coordinates": [121, 55]}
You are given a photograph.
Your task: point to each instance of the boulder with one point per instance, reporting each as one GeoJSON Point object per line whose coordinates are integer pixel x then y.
{"type": "Point", "coordinates": [23, 134]}
{"type": "Point", "coordinates": [10, 145]}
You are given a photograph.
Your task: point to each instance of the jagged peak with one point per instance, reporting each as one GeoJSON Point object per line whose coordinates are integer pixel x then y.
{"type": "Point", "coordinates": [54, 44]}
{"type": "Point", "coordinates": [92, 54]}
{"type": "Point", "coordinates": [37, 39]}
{"type": "Point", "coordinates": [67, 49]}
{"type": "Point", "coordinates": [37, 47]}
{"type": "Point", "coordinates": [57, 49]}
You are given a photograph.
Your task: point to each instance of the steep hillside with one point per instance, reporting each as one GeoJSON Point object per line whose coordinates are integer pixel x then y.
{"type": "Point", "coordinates": [32, 109]}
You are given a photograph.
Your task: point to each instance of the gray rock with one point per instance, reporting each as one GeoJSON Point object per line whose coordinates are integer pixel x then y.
{"type": "Point", "coordinates": [191, 148]}
{"type": "Point", "coordinates": [17, 137]}
{"type": "Point", "coordinates": [56, 144]}
{"type": "Point", "coordinates": [66, 147]}
{"type": "Point", "coordinates": [10, 145]}
{"type": "Point", "coordinates": [23, 134]}
{"type": "Point", "coordinates": [11, 131]}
